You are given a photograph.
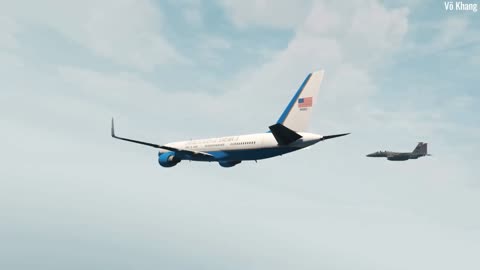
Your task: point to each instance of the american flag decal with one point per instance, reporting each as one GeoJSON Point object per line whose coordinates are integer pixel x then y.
{"type": "Point", "coordinates": [305, 102]}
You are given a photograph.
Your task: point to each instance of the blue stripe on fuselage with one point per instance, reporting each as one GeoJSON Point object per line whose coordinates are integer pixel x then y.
{"type": "Point", "coordinates": [246, 154]}
{"type": "Point", "coordinates": [292, 102]}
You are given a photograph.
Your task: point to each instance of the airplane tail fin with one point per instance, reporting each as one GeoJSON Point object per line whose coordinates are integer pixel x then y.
{"type": "Point", "coordinates": [296, 115]}
{"type": "Point", "coordinates": [421, 149]}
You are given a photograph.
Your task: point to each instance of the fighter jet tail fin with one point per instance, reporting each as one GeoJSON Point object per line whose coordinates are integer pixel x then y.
{"type": "Point", "coordinates": [421, 149]}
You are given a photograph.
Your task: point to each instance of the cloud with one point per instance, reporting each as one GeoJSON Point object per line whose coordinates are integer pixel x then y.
{"type": "Point", "coordinates": [452, 29]}
{"type": "Point", "coordinates": [452, 34]}
{"type": "Point", "coordinates": [331, 37]}
{"type": "Point", "coordinates": [136, 41]}
{"type": "Point", "coordinates": [10, 60]}
{"type": "Point", "coordinates": [191, 11]}
{"type": "Point", "coordinates": [127, 95]}
{"type": "Point", "coordinates": [211, 49]}
{"type": "Point", "coordinates": [8, 29]}
{"type": "Point", "coordinates": [127, 32]}
{"type": "Point", "coordinates": [377, 28]}
{"type": "Point", "coordinates": [282, 14]}
{"type": "Point", "coordinates": [193, 16]}
{"type": "Point", "coordinates": [215, 42]}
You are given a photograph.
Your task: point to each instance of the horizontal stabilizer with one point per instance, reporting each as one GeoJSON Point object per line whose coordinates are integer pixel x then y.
{"type": "Point", "coordinates": [333, 136]}
{"type": "Point", "coordinates": [284, 135]}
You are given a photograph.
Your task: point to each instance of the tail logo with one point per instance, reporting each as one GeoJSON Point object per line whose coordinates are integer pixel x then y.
{"type": "Point", "coordinates": [305, 102]}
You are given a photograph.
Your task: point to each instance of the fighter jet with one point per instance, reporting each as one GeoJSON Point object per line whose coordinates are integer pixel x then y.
{"type": "Point", "coordinates": [419, 151]}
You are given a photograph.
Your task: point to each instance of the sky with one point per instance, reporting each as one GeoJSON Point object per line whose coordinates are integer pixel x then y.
{"type": "Point", "coordinates": [396, 73]}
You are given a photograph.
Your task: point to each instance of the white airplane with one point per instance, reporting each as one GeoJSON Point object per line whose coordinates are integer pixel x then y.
{"type": "Point", "coordinates": [286, 136]}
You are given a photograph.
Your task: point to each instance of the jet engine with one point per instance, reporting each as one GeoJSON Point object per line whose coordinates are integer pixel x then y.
{"type": "Point", "coordinates": [168, 159]}
{"type": "Point", "coordinates": [228, 164]}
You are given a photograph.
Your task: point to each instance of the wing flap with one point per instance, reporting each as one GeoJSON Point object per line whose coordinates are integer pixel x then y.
{"type": "Point", "coordinates": [186, 152]}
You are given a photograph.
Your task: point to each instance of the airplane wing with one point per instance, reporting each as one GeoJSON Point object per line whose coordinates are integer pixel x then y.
{"type": "Point", "coordinates": [186, 152]}
{"type": "Point", "coordinates": [173, 149]}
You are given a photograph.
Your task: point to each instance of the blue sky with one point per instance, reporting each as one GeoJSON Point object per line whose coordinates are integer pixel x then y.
{"type": "Point", "coordinates": [397, 72]}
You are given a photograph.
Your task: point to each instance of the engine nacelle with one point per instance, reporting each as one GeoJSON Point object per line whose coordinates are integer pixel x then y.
{"type": "Point", "coordinates": [168, 159]}
{"type": "Point", "coordinates": [228, 164]}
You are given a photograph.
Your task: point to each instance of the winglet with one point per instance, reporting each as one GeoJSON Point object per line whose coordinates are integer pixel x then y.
{"type": "Point", "coordinates": [130, 140]}
{"type": "Point", "coordinates": [113, 129]}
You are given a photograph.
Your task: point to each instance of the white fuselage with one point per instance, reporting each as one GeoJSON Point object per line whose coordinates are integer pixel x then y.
{"type": "Point", "coordinates": [242, 142]}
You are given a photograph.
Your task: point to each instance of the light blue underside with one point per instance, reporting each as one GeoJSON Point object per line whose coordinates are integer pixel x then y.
{"type": "Point", "coordinates": [245, 154]}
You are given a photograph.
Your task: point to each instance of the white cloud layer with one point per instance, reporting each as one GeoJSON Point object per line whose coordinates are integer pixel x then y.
{"type": "Point", "coordinates": [8, 28]}
{"type": "Point", "coordinates": [349, 42]}
{"type": "Point", "coordinates": [127, 32]}
{"type": "Point", "coordinates": [268, 13]}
